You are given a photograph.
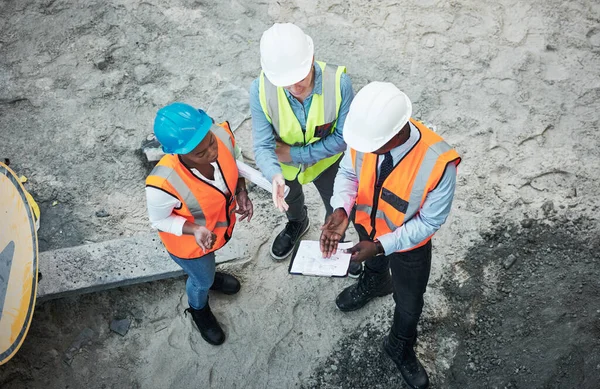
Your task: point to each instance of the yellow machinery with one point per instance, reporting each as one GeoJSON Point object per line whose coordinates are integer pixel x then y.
{"type": "Point", "coordinates": [18, 262]}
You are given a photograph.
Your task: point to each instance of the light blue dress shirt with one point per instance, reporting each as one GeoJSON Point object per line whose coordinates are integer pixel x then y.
{"type": "Point", "coordinates": [425, 223]}
{"type": "Point", "coordinates": [263, 132]}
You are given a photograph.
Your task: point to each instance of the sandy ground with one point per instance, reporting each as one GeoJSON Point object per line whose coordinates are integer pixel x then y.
{"type": "Point", "coordinates": [513, 85]}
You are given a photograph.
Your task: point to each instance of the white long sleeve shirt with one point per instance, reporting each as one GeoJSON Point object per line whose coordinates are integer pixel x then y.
{"type": "Point", "coordinates": [161, 204]}
{"type": "Point", "coordinates": [425, 223]}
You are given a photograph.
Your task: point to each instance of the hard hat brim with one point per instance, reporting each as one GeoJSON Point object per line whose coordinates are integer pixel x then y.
{"type": "Point", "coordinates": [365, 144]}
{"type": "Point", "coordinates": [194, 140]}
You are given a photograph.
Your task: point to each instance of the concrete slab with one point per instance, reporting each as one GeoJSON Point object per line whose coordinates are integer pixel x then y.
{"type": "Point", "coordinates": [121, 262]}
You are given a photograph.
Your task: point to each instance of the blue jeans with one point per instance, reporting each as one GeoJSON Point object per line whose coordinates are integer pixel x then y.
{"type": "Point", "coordinates": [201, 274]}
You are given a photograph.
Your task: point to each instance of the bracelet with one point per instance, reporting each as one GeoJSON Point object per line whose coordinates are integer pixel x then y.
{"type": "Point", "coordinates": [240, 191]}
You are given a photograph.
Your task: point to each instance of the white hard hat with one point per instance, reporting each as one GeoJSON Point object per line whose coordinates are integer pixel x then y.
{"type": "Point", "coordinates": [377, 113]}
{"type": "Point", "coordinates": [286, 54]}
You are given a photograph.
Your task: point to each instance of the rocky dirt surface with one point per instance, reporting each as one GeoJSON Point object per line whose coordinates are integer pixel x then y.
{"type": "Point", "coordinates": [513, 85]}
{"type": "Point", "coordinates": [524, 315]}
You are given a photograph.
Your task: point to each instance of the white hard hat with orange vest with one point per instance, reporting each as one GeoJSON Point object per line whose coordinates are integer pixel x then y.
{"type": "Point", "coordinates": [377, 113]}
{"type": "Point", "coordinates": [286, 54]}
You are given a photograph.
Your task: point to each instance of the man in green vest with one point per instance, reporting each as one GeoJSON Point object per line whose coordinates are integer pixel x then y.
{"type": "Point", "coordinates": [298, 107]}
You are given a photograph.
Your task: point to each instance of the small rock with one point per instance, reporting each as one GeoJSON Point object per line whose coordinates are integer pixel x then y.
{"type": "Point", "coordinates": [509, 261]}
{"type": "Point", "coordinates": [152, 149]}
{"type": "Point", "coordinates": [572, 193]}
{"type": "Point", "coordinates": [102, 65]}
{"type": "Point", "coordinates": [548, 207]}
{"type": "Point", "coordinates": [334, 367]}
{"type": "Point", "coordinates": [120, 326]}
{"type": "Point", "coordinates": [102, 213]}
{"type": "Point", "coordinates": [527, 223]}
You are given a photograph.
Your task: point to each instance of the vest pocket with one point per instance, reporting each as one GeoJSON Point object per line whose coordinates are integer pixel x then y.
{"type": "Point", "coordinates": [389, 197]}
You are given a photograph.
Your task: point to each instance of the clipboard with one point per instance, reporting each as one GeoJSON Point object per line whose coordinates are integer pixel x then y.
{"type": "Point", "coordinates": [308, 273]}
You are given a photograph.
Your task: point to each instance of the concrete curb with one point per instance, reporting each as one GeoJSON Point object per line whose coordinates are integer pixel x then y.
{"type": "Point", "coordinates": [111, 264]}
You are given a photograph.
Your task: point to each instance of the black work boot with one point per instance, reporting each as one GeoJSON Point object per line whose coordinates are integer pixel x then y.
{"type": "Point", "coordinates": [284, 242]}
{"type": "Point", "coordinates": [225, 283]}
{"type": "Point", "coordinates": [369, 286]}
{"type": "Point", "coordinates": [402, 352]}
{"type": "Point", "coordinates": [208, 325]}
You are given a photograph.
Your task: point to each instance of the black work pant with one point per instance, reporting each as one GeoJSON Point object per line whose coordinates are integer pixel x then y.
{"type": "Point", "coordinates": [410, 274]}
{"type": "Point", "coordinates": [323, 183]}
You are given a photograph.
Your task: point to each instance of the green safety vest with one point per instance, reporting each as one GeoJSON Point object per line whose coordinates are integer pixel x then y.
{"type": "Point", "coordinates": [323, 113]}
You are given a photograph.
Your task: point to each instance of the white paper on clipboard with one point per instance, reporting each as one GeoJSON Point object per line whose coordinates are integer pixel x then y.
{"type": "Point", "coordinates": [309, 260]}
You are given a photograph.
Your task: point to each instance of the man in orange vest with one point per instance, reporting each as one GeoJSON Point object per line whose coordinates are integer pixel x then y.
{"type": "Point", "coordinates": [193, 194]}
{"type": "Point", "coordinates": [400, 178]}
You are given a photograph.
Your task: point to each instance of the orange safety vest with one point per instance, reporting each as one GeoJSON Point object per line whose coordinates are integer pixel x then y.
{"type": "Point", "coordinates": [201, 202]}
{"type": "Point", "coordinates": [382, 210]}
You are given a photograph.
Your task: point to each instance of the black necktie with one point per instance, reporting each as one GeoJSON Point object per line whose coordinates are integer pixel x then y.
{"type": "Point", "coordinates": [385, 169]}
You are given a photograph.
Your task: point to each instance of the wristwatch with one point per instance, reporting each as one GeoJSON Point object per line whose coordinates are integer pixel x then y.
{"type": "Point", "coordinates": [380, 249]}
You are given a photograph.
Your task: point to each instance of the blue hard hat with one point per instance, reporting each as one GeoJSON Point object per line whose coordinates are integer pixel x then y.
{"type": "Point", "coordinates": [180, 127]}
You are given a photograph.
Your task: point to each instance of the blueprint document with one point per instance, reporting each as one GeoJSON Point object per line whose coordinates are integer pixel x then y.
{"type": "Point", "coordinates": [309, 260]}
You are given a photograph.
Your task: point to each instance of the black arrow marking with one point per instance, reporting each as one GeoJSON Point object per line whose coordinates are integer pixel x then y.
{"type": "Point", "coordinates": [6, 259]}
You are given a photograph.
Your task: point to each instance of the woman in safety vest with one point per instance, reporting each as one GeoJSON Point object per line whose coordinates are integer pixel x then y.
{"type": "Point", "coordinates": [193, 194]}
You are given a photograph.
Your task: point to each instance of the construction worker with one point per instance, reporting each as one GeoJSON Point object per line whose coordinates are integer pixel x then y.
{"type": "Point", "coordinates": [193, 194]}
{"type": "Point", "coordinates": [298, 111]}
{"type": "Point", "coordinates": [400, 176]}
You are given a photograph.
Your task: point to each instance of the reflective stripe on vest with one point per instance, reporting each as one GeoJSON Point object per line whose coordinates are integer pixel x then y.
{"type": "Point", "coordinates": [324, 109]}
{"type": "Point", "coordinates": [419, 185]}
{"type": "Point", "coordinates": [379, 214]}
{"type": "Point", "coordinates": [184, 191]}
{"type": "Point", "coordinates": [222, 134]}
